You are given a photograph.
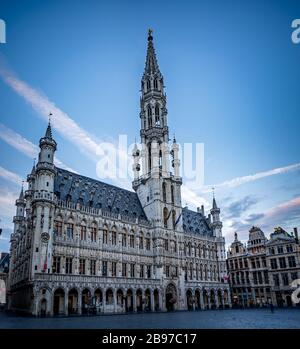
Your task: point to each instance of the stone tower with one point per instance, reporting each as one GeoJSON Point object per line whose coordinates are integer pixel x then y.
{"type": "Point", "coordinates": [158, 189]}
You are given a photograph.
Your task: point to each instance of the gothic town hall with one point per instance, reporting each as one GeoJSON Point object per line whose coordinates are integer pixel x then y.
{"type": "Point", "coordinates": [80, 245]}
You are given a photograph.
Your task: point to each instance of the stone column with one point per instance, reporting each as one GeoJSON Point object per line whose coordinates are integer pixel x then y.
{"type": "Point", "coordinates": [134, 301]}
{"type": "Point", "coordinates": [115, 300]}
{"type": "Point", "coordinates": [79, 303]}
{"type": "Point", "coordinates": [201, 300]}
{"type": "Point", "coordinates": [66, 302]}
{"type": "Point", "coordinates": [152, 300]}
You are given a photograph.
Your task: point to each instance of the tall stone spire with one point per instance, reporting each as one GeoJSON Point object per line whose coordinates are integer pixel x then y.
{"type": "Point", "coordinates": [151, 66]}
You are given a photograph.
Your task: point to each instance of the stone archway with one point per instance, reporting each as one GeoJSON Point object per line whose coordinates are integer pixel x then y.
{"type": "Point", "coordinates": [156, 299]}
{"type": "Point", "coordinates": [120, 300]}
{"type": "Point", "coordinates": [43, 307]}
{"type": "Point", "coordinates": [212, 299]}
{"type": "Point", "coordinates": [171, 297]}
{"type": "Point", "coordinates": [147, 300]}
{"type": "Point", "coordinates": [139, 300]}
{"type": "Point", "coordinates": [85, 300]}
{"type": "Point", "coordinates": [73, 301]}
{"type": "Point", "coordinates": [197, 300]}
{"type": "Point", "coordinates": [220, 299]}
{"type": "Point", "coordinates": [205, 299]}
{"type": "Point", "coordinates": [98, 297]}
{"type": "Point", "coordinates": [59, 302]}
{"type": "Point", "coordinates": [189, 300]}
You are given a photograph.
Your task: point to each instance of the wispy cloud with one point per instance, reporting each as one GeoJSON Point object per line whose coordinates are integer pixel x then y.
{"type": "Point", "coordinates": [235, 182]}
{"type": "Point", "coordinates": [23, 145]}
{"type": "Point", "coordinates": [10, 176]}
{"type": "Point", "coordinates": [7, 201]}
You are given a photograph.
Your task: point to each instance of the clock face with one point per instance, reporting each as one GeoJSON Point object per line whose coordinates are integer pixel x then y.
{"type": "Point", "coordinates": [45, 237]}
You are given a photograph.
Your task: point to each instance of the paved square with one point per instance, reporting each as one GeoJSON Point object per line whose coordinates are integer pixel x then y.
{"type": "Point", "coordinates": [214, 319]}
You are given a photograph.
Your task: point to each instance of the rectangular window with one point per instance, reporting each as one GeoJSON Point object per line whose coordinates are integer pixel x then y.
{"type": "Point", "coordinates": [276, 279]}
{"type": "Point", "coordinates": [166, 244]}
{"type": "Point", "coordinates": [273, 263]}
{"type": "Point", "coordinates": [131, 240]}
{"type": "Point", "coordinates": [176, 271]}
{"type": "Point", "coordinates": [241, 263]}
{"type": "Point", "coordinates": [246, 263]}
{"type": "Point", "coordinates": [82, 266]}
{"type": "Point", "coordinates": [167, 271]}
{"type": "Point", "coordinates": [93, 267]}
{"type": "Point", "coordinates": [113, 269]}
{"type": "Point", "coordinates": [141, 243]}
{"type": "Point", "coordinates": [282, 262]}
{"type": "Point", "coordinates": [132, 270]}
{"type": "Point", "coordinates": [292, 261]}
{"type": "Point", "coordinates": [264, 263]}
{"type": "Point", "coordinates": [147, 244]}
{"type": "Point", "coordinates": [266, 277]}
{"type": "Point", "coordinates": [124, 240]}
{"type": "Point", "coordinates": [285, 279]}
{"type": "Point", "coordinates": [294, 275]}
{"type": "Point", "coordinates": [257, 263]}
{"type": "Point", "coordinates": [252, 263]}
{"type": "Point", "coordinates": [69, 263]}
{"type": "Point", "coordinates": [279, 249]}
{"type": "Point", "coordinates": [83, 232]}
{"type": "Point", "coordinates": [272, 250]}
{"type": "Point", "coordinates": [70, 230]}
{"type": "Point", "coordinates": [58, 227]}
{"type": "Point", "coordinates": [56, 265]}
{"type": "Point", "coordinates": [289, 248]}
{"type": "Point", "coordinates": [93, 234]}
{"type": "Point", "coordinates": [105, 236]}
{"type": "Point", "coordinates": [104, 268]}
{"type": "Point", "coordinates": [124, 269]}
{"type": "Point", "coordinates": [141, 271]}
{"type": "Point", "coordinates": [114, 238]}
{"type": "Point", "coordinates": [149, 271]}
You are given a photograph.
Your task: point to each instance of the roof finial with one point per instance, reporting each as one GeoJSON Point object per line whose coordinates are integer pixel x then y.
{"type": "Point", "coordinates": [50, 114]}
{"type": "Point", "coordinates": [213, 191]}
{"type": "Point", "coordinates": [174, 138]}
{"type": "Point", "coordinates": [150, 31]}
{"type": "Point", "coordinates": [48, 130]}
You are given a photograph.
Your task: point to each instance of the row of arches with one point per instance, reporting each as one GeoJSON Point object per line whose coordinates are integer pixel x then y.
{"type": "Point", "coordinates": [76, 301]}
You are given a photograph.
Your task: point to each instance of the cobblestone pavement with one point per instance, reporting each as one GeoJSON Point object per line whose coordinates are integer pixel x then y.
{"type": "Point", "coordinates": [222, 319]}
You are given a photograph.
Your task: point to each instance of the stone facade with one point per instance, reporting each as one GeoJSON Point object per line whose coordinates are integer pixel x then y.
{"type": "Point", "coordinates": [262, 271]}
{"type": "Point", "coordinates": [81, 245]}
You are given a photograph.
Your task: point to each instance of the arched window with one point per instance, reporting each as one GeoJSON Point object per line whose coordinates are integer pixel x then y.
{"type": "Point", "coordinates": [160, 159]}
{"type": "Point", "coordinates": [94, 232]}
{"type": "Point", "coordinates": [155, 84]}
{"type": "Point", "coordinates": [148, 85]}
{"type": "Point", "coordinates": [149, 158]}
{"type": "Point", "coordinates": [156, 112]}
{"type": "Point", "coordinates": [172, 194]}
{"type": "Point", "coordinates": [164, 192]}
{"type": "Point", "coordinates": [149, 112]}
{"type": "Point", "coordinates": [83, 231]}
{"type": "Point", "coordinates": [166, 216]}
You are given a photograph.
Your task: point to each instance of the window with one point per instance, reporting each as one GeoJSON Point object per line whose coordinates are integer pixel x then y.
{"type": "Point", "coordinates": [132, 270]}
{"type": "Point", "coordinates": [167, 271]}
{"type": "Point", "coordinates": [289, 248]}
{"type": "Point", "coordinates": [246, 263]}
{"type": "Point", "coordinates": [273, 263]}
{"type": "Point", "coordinates": [172, 194]}
{"type": "Point", "coordinates": [83, 232]}
{"type": "Point", "coordinates": [56, 265]}
{"type": "Point", "coordinates": [279, 249]}
{"type": "Point", "coordinates": [124, 269]}
{"type": "Point", "coordinates": [258, 263]}
{"type": "Point", "coordinates": [174, 219]}
{"type": "Point", "coordinates": [266, 277]}
{"type": "Point", "coordinates": [276, 279]}
{"type": "Point", "coordinates": [104, 268]}
{"type": "Point", "coordinates": [148, 244]}
{"type": "Point", "coordinates": [113, 238]}
{"type": "Point", "coordinates": [141, 271]}
{"type": "Point", "coordinates": [105, 236]}
{"type": "Point", "coordinates": [285, 279]}
{"type": "Point", "coordinates": [131, 241]}
{"type": "Point", "coordinates": [93, 267]}
{"type": "Point", "coordinates": [241, 263]}
{"type": "Point", "coordinates": [69, 262]}
{"type": "Point", "coordinates": [166, 217]}
{"type": "Point", "coordinates": [81, 266]}
{"type": "Point", "coordinates": [149, 112]}
{"type": "Point", "coordinates": [58, 227]}
{"type": "Point", "coordinates": [93, 234]}
{"type": "Point", "coordinates": [164, 192]}
{"type": "Point", "coordinates": [294, 275]}
{"type": "Point", "coordinates": [166, 244]}
{"type": "Point", "coordinates": [155, 84]}
{"type": "Point", "coordinates": [292, 261]}
{"type": "Point", "coordinates": [149, 271]}
{"type": "Point", "coordinates": [141, 243]}
{"type": "Point", "coordinates": [70, 229]}
{"type": "Point", "coordinates": [148, 85]}
{"type": "Point", "coordinates": [157, 121]}
{"type": "Point", "coordinates": [282, 262]}
{"type": "Point", "coordinates": [113, 269]}
{"type": "Point", "coordinates": [124, 240]}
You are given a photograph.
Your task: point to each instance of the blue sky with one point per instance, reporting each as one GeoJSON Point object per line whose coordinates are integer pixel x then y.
{"type": "Point", "coordinates": [232, 82]}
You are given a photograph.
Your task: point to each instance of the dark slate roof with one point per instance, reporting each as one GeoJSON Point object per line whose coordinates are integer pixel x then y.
{"type": "Point", "coordinates": [195, 222]}
{"type": "Point", "coordinates": [92, 193]}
